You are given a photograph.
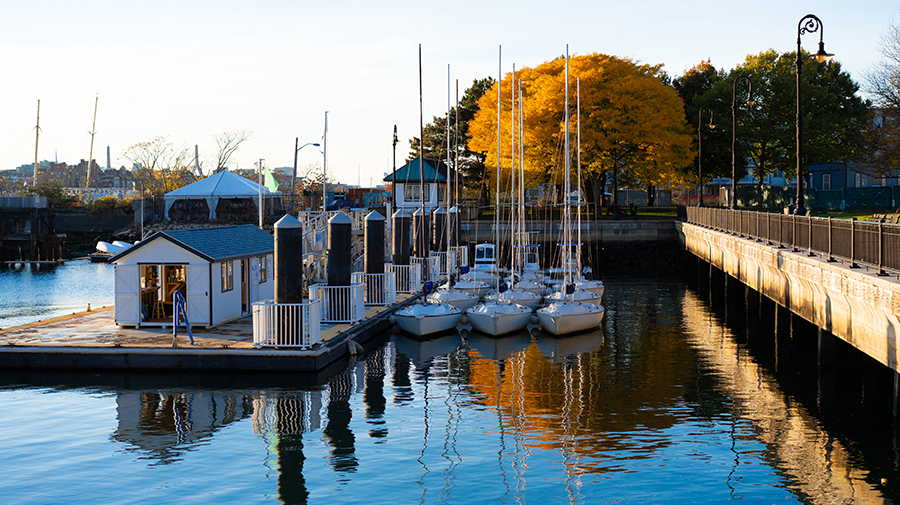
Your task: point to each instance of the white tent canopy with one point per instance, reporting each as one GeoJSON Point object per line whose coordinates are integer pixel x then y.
{"type": "Point", "coordinates": [217, 186]}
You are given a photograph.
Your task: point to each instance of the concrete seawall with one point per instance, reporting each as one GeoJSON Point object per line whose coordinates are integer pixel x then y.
{"type": "Point", "coordinates": [591, 231]}
{"type": "Point", "coordinates": [853, 304]}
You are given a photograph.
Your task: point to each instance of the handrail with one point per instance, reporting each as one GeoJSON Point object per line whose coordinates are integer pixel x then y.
{"type": "Point", "coordinates": [867, 243]}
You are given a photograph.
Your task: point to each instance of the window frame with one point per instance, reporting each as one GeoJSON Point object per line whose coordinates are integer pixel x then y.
{"type": "Point", "coordinates": [227, 276]}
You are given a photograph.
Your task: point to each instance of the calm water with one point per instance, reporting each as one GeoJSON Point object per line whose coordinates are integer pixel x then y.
{"type": "Point", "coordinates": [32, 294]}
{"type": "Point", "coordinates": [667, 404]}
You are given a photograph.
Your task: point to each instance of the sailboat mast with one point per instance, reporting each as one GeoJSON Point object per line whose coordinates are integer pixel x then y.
{"type": "Point", "coordinates": [325, 164]}
{"type": "Point", "coordinates": [447, 222]}
{"type": "Point", "coordinates": [522, 232]}
{"type": "Point", "coordinates": [512, 163]}
{"type": "Point", "coordinates": [421, 152]}
{"type": "Point", "coordinates": [566, 185]}
{"type": "Point", "coordinates": [578, 147]}
{"type": "Point", "coordinates": [93, 132]}
{"type": "Point", "coordinates": [497, 194]}
{"type": "Point", "coordinates": [37, 133]}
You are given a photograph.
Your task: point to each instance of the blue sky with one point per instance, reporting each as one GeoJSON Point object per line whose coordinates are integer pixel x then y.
{"type": "Point", "coordinates": [190, 69]}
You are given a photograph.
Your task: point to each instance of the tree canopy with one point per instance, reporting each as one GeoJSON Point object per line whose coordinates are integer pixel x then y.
{"type": "Point", "coordinates": [631, 122]}
{"type": "Point", "coordinates": [834, 116]}
{"type": "Point", "coordinates": [883, 82]}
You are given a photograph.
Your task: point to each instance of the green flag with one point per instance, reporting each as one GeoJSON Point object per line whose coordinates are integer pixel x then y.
{"type": "Point", "coordinates": [271, 183]}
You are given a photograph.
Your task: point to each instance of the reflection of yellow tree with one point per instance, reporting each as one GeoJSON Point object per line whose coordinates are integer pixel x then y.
{"type": "Point", "coordinates": [584, 407]}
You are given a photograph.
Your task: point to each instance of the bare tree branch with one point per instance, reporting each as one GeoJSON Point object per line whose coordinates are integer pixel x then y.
{"type": "Point", "coordinates": [227, 143]}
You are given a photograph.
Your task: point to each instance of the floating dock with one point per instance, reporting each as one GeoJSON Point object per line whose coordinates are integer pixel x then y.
{"type": "Point", "coordinates": [91, 341]}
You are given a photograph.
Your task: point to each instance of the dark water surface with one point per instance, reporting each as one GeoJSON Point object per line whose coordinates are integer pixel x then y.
{"type": "Point", "coordinates": [33, 293]}
{"type": "Point", "coordinates": [666, 404]}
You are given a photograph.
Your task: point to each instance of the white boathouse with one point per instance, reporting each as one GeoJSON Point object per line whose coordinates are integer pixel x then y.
{"type": "Point", "coordinates": [220, 272]}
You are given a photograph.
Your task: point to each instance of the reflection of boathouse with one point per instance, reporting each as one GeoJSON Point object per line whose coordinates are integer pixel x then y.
{"type": "Point", "coordinates": [220, 272]}
{"type": "Point", "coordinates": [163, 424]}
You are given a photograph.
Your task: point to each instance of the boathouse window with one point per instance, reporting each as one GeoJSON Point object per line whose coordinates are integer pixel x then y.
{"type": "Point", "coordinates": [412, 193]}
{"type": "Point", "coordinates": [227, 276]}
{"type": "Point", "coordinates": [262, 269]}
{"type": "Point", "coordinates": [826, 182]}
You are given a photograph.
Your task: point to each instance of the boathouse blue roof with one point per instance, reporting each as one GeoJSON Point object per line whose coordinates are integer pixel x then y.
{"type": "Point", "coordinates": [214, 244]}
{"type": "Point", "coordinates": [435, 171]}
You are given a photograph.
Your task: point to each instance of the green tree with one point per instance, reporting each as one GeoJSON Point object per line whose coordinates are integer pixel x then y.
{"type": "Point", "coordinates": [835, 118]}
{"type": "Point", "coordinates": [470, 163]}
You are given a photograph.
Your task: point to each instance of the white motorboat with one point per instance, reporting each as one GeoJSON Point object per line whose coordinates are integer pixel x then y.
{"type": "Point", "coordinates": [423, 319]}
{"type": "Point", "coordinates": [579, 295]}
{"type": "Point", "coordinates": [516, 295]}
{"type": "Point", "coordinates": [456, 297]}
{"type": "Point", "coordinates": [495, 318]}
{"type": "Point", "coordinates": [570, 317]}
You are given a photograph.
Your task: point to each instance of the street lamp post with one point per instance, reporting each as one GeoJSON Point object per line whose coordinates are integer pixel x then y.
{"type": "Point", "coordinates": [700, 148]}
{"type": "Point", "coordinates": [750, 102]}
{"type": "Point", "coordinates": [808, 24]}
{"type": "Point", "coordinates": [294, 174]}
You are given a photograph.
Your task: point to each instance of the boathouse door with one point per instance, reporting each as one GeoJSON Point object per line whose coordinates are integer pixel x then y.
{"type": "Point", "coordinates": [198, 294]}
{"type": "Point", "coordinates": [128, 304]}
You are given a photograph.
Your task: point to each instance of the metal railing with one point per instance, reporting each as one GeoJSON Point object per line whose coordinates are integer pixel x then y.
{"type": "Point", "coordinates": [874, 244]}
{"type": "Point", "coordinates": [408, 278]}
{"type": "Point", "coordinates": [279, 324]}
{"type": "Point", "coordinates": [462, 254]}
{"type": "Point", "coordinates": [429, 268]}
{"type": "Point", "coordinates": [445, 262]}
{"type": "Point", "coordinates": [378, 289]}
{"type": "Point", "coordinates": [340, 304]}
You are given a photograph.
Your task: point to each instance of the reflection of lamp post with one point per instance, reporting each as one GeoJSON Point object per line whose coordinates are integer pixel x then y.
{"type": "Point", "coordinates": [808, 24]}
{"type": "Point", "coordinates": [700, 148]}
{"type": "Point", "coordinates": [294, 174]}
{"type": "Point", "coordinates": [750, 102]}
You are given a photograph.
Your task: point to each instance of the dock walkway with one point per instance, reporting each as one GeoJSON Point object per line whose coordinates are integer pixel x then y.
{"type": "Point", "coordinates": [92, 341]}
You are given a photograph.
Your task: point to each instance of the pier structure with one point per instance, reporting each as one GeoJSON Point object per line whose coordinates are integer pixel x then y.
{"type": "Point", "coordinates": [840, 277]}
{"type": "Point", "coordinates": [27, 231]}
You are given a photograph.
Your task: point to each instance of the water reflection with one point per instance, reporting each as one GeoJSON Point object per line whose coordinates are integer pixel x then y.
{"type": "Point", "coordinates": [663, 390]}
{"type": "Point", "coordinates": [163, 425]}
{"type": "Point", "coordinates": [815, 463]}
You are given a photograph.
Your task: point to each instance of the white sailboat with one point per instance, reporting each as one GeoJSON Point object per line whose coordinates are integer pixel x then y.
{"type": "Point", "coordinates": [568, 315]}
{"type": "Point", "coordinates": [500, 316]}
{"type": "Point", "coordinates": [426, 318]}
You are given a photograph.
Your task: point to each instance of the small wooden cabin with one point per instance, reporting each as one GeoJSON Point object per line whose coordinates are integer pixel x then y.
{"type": "Point", "coordinates": [220, 272]}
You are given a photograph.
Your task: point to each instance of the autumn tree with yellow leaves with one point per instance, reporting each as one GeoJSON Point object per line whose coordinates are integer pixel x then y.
{"type": "Point", "coordinates": [633, 127]}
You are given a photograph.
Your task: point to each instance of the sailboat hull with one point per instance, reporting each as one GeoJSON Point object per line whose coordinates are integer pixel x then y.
{"type": "Point", "coordinates": [429, 319]}
{"type": "Point", "coordinates": [568, 317]}
{"type": "Point", "coordinates": [498, 324]}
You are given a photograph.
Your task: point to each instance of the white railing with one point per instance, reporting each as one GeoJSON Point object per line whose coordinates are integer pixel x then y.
{"type": "Point", "coordinates": [379, 289]}
{"type": "Point", "coordinates": [278, 325]}
{"type": "Point", "coordinates": [445, 262]}
{"type": "Point", "coordinates": [462, 254]}
{"type": "Point", "coordinates": [431, 267]}
{"type": "Point", "coordinates": [340, 304]}
{"type": "Point", "coordinates": [408, 278]}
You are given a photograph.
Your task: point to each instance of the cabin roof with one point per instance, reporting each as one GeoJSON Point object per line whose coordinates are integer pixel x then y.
{"type": "Point", "coordinates": [214, 244]}
{"type": "Point", "coordinates": [435, 171]}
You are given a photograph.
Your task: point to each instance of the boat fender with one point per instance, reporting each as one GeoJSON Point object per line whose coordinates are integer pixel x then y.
{"type": "Point", "coordinates": [354, 348]}
{"type": "Point", "coordinates": [534, 319]}
{"type": "Point", "coordinates": [464, 319]}
{"type": "Point", "coordinates": [392, 319]}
